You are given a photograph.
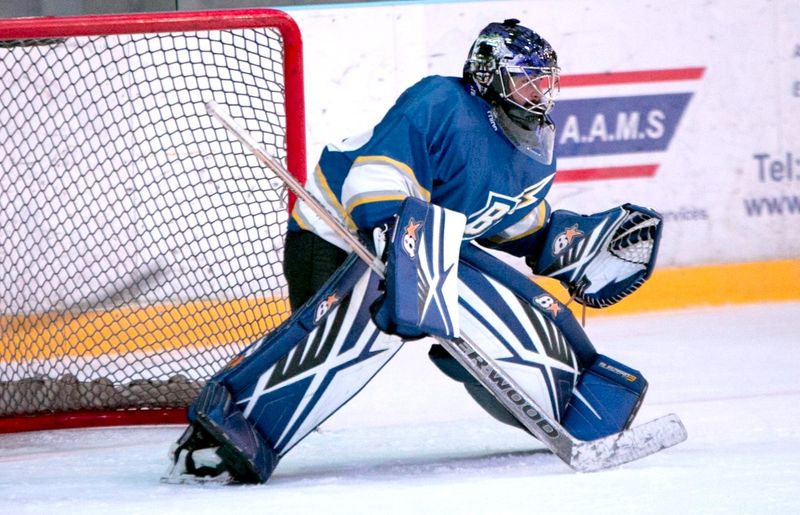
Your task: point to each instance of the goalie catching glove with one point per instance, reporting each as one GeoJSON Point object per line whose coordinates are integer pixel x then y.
{"type": "Point", "coordinates": [600, 258]}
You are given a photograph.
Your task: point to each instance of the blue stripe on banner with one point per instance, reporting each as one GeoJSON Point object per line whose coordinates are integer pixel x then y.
{"type": "Point", "coordinates": [618, 125]}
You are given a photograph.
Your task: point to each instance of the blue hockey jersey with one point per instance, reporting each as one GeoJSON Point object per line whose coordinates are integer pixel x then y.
{"type": "Point", "coordinates": [441, 144]}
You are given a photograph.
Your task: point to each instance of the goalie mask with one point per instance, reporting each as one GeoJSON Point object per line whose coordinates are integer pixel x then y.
{"type": "Point", "coordinates": [516, 71]}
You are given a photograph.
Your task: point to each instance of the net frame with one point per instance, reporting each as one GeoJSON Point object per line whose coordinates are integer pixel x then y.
{"type": "Point", "coordinates": [59, 28]}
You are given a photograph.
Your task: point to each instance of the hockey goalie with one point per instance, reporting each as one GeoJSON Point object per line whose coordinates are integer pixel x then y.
{"type": "Point", "coordinates": [457, 166]}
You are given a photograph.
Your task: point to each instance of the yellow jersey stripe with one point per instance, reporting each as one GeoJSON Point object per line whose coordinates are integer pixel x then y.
{"type": "Point", "coordinates": [399, 165]}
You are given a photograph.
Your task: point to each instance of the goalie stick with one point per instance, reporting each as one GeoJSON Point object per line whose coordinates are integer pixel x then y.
{"type": "Point", "coordinates": [582, 456]}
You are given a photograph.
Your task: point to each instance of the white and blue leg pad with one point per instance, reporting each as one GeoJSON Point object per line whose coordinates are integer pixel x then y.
{"type": "Point", "coordinates": [528, 333]}
{"type": "Point", "coordinates": [536, 340]}
{"type": "Point", "coordinates": [247, 456]}
{"type": "Point", "coordinates": [283, 386]}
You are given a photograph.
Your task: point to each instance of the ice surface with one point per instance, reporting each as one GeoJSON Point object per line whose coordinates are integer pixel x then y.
{"type": "Point", "coordinates": [412, 442]}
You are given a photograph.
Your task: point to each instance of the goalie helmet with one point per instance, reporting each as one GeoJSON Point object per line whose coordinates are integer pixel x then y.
{"type": "Point", "coordinates": [516, 71]}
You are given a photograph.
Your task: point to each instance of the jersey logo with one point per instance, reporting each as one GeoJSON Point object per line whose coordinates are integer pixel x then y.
{"type": "Point", "coordinates": [410, 237]}
{"type": "Point", "coordinates": [492, 120]}
{"type": "Point", "coordinates": [565, 239]}
{"type": "Point", "coordinates": [498, 206]}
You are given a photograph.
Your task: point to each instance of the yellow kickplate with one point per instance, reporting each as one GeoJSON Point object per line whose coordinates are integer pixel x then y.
{"type": "Point", "coordinates": [162, 328]}
{"type": "Point", "coordinates": [717, 285]}
{"type": "Point", "coordinates": [147, 328]}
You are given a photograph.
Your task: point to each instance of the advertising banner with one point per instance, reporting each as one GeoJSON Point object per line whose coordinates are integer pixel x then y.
{"type": "Point", "coordinates": [689, 107]}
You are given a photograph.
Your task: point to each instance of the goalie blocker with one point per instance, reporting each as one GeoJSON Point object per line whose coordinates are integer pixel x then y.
{"type": "Point", "coordinates": [282, 387]}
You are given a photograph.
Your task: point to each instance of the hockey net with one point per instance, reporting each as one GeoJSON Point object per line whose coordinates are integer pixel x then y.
{"type": "Point", "coordinates": [140, 247]}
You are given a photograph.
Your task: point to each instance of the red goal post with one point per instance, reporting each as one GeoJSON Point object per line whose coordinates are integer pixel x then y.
{"type": "Point", "coordinates": [139, 245]}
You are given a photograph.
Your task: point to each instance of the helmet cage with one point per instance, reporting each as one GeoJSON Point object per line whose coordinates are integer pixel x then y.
{"type": "Point", "coordinates": [530, 88]}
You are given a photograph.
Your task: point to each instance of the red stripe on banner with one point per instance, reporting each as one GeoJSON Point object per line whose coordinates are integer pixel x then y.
{"type": "Point", "coordinates": [641, 76]}
{"type": "Point", "coordinates": [609, 172]}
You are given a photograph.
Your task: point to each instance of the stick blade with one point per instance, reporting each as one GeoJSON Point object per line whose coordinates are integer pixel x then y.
{"type": "Point", "coordinates": [630, 445]}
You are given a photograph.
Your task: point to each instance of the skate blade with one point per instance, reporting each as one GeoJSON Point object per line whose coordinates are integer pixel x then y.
{"type": "Point", "coordinates": [176, 474]}
{"type": "Point", "coordinates": [189, 479]}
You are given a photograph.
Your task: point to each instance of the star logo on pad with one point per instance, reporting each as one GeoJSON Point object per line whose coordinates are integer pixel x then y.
{"type": "Point", "coordinates": [571, 233]}
{"type": "Point", "coordinates": [325, 306]}
{"type": "Point", "coordinates": [410, 238]}
{"type": "Point", "coordinates": [565, 239]}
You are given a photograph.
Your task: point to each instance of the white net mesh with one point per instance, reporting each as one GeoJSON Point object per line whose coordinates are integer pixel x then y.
{"type": "Point", "coordinates": [140, 248]}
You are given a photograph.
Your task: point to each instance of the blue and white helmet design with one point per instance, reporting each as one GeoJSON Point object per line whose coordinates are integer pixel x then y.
{"type": "Point", "coordinates": [516, 70]}
{"type": "Point", "coordinates": [505, 59]}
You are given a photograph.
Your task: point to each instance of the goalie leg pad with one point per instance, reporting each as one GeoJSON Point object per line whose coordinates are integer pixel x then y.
{"type": "Point", "coordinates": [528, 333]}
{"type": "Point", "coordinates": [291, 381]}
{"type": "Point", "coordinates": [281, 387]}
{"type": "Point", "coordinates": [497, 283]}
{"type": "Point", "coordinates": [605, 401]}
{"type": "Point", "coordinates": [453, 369]}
